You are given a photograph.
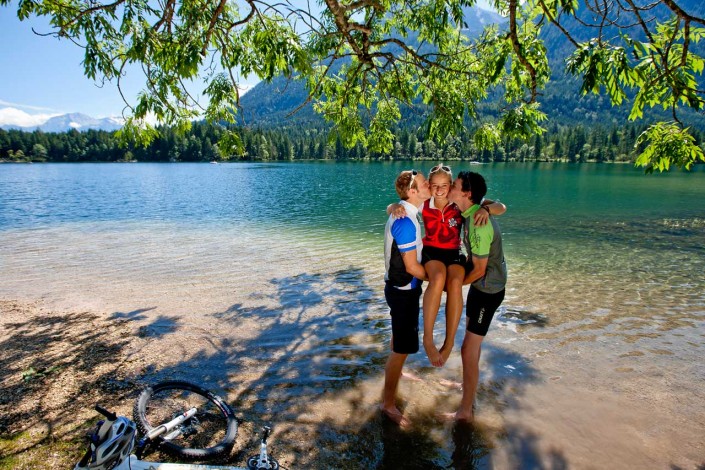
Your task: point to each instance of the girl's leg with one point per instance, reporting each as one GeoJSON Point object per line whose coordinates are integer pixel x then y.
{"type": "Point", "coordinates": [454, 307]}
{"type": "Point", "coordinates": [431, 303]}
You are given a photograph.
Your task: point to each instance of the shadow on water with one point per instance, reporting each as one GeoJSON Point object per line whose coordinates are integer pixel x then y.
{"type": "Point", "coordinates": [382, 445]}
{"type": "Point", "coordinates": [307, 349]}
{"type": "Point", "coordinates": [523, 318]}
{"type": "Point", "coordinates": [523, 447]}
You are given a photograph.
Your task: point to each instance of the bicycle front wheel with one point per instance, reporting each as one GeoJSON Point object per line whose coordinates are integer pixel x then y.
{"type": "Point", "coordinates": [208, 435]}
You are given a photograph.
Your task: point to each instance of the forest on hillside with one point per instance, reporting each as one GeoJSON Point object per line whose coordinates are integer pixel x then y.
{"type": "Point", "coordinates": [291, 143]}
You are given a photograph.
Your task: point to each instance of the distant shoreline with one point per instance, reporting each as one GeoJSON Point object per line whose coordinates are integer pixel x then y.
{"type": "Point", "coordinates": [471, 162]}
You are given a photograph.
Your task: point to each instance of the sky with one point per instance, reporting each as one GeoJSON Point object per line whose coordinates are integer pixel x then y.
{"type": "Point", "coordinates": [42, 76]}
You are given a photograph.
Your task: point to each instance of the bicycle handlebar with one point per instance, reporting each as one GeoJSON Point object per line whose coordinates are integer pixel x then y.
{"type": "Point", "coordinates": [108, 414]}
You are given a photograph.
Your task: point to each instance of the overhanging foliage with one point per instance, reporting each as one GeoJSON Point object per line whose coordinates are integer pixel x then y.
{"type": "Point", "coordinates": [393, 53]}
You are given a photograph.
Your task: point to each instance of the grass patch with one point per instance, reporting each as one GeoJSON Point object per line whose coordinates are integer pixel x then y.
{"type": "Point", "coordinates": [36, 449]}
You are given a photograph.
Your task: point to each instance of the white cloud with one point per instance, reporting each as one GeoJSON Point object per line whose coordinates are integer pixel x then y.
{"type": "Point", "coordinates": [24, 106]}
{"type": "Point", "coordinates": [150, 119]}
{"type": "Point", "coordinates": [16, 117]}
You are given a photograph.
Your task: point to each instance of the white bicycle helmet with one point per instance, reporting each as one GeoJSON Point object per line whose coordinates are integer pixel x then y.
{"type": "Point", "coordinates": [111, 444]}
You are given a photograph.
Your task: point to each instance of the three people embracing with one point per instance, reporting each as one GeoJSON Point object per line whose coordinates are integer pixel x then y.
{"type": "Point", "coordinates": [452, 209]}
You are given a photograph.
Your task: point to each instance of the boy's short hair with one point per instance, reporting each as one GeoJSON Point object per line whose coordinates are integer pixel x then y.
{"type": "Point", "coordinates": [474, 182]}
{"type": "Point", "coordinates": [403, 183]}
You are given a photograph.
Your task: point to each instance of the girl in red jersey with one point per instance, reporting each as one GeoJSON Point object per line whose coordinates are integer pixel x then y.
{"type": "Point", "coordinates": [444, 263]}
{"type": "Point", "coordinates": [442, 258]}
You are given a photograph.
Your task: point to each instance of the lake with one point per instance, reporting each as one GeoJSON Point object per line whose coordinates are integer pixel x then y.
{"type": "Point", "coordinates": [266, 279]}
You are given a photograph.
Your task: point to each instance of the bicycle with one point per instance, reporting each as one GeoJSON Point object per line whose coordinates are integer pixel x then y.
{"type": "Point", "coordinates": [178, 418]}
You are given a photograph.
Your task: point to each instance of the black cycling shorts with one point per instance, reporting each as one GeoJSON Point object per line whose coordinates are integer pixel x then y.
{"type": "Point", "coordinates": [480, 308]}
{"type": "Point", "coordinates": [444, 255]}
{"type": "Point", "coordinates": [404, 307]}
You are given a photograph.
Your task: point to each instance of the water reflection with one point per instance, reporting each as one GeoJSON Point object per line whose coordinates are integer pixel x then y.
{"type": "Point", "coordinates": [472, 448]}
{"type": "Point", "coordinates": [381, 445]}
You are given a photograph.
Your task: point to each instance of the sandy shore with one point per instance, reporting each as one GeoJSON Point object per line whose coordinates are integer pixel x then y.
{"type": "Point", "coordinates": [56, 364]}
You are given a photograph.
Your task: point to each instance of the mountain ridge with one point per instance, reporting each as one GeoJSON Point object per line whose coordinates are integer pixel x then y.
{"type": "Point", "coordinates": [67, 122]}
{"type": "Point", "coordinates": [278, 103]}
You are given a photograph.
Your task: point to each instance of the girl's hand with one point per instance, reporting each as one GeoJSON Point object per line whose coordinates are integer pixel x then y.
{"type": "Point", "coordinates": [482, 216]}
{"type": "Point", "coordinates": [396, 210]}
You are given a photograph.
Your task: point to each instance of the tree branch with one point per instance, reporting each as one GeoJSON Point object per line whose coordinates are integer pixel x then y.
{"type": "Point", "coordinates": [516, 45]}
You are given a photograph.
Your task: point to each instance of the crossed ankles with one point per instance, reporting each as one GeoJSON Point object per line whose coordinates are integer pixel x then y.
{"type": "Point", "coordinates": [434, 356]}
{"type": "Point", "coordinates": [446, 349]}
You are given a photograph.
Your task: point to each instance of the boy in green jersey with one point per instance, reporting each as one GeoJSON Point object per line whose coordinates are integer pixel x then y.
{"type": "Point", "coordinates": [488, 278]}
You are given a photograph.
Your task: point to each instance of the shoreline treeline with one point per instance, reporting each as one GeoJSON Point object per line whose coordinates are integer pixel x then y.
{"type": "Point", "coordinates": [573, 144]}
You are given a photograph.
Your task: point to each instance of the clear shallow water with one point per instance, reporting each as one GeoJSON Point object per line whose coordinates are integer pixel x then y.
{"type": "Point", "coordinates": [267, 280]}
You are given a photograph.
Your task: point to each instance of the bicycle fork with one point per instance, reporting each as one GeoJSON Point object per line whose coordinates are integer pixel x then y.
{"type": "Point", "coordinates": [263, 461]}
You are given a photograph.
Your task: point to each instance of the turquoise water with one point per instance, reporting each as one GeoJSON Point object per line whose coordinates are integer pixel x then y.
{"type": "Point", "coordinates": [543, 198]}
{"type": "Point", "coordinates": [269, 276]}
{"type": "Point", "coordinates": [566, 224]}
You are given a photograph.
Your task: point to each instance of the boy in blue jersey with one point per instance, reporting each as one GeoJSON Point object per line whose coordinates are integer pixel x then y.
{"type": "Point", "coordinates": [403, 277]}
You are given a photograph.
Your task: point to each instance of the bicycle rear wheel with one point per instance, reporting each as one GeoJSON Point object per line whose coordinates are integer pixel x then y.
{"type": "Point", "coordinates": [208, 435]}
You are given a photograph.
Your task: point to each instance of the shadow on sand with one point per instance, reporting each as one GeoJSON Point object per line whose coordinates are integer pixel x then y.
{"type": "Point", "coordinates": [306, 350]}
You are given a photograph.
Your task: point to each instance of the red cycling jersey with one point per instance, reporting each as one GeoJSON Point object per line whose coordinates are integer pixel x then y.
{"type": "Point", "coordinates": [442, 226]}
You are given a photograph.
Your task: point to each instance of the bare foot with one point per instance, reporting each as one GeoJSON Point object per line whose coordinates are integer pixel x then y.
{"type": "Point", "coordinates": [433, 355]}
{"type": "Point", "coordinates": [411, 376]}
{"type": "Point", "coordinates": [445, 351]}
{"type": "Point", "coordinates": [395, 415]}
{"type": "Point", "coordinates": [457, 416]}
{"type": "Point", "coordinates": [451, 384]}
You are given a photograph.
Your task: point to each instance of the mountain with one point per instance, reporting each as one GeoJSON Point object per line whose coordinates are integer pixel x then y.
{"type": "Point", "coordinates": [79, 122]}
{"type": "Point", "coordinates": [477, 18]}
{"type": "Point", "coordinates": [66, 122]}
{"type": "Point", "coordinates": [282, 102]}
{"type": "Point", "coordinates": [272, 104]}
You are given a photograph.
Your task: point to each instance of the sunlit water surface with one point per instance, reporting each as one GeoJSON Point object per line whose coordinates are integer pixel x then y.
{"type": "Point", "coordinates": [265, 280]}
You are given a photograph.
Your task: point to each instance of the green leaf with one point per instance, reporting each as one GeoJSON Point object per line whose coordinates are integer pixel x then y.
{"type": "Point", "coordinates": [666, 144]}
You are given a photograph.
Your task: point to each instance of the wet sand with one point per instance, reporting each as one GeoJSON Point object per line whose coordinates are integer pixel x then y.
{"type": "Point", "coordinates": [299, 342]}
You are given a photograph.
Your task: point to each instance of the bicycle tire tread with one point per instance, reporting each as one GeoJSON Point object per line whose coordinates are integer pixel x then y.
{"type": "Point", "coordinates": [188, 453]}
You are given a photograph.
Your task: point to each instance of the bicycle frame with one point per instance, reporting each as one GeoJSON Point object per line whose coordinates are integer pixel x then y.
{"type": "Point", "coordinates": [261, 461]}
{"type": "Point", "coordinates": [172, 430]}
{"type": "Point", "coordinates": [135, 464]}
{"type": "Point", "coordinates": [170, 426]}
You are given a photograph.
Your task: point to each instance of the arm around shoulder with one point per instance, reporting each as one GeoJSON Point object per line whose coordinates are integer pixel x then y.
{"type": "Point", "coordinates": [495, 207]}
{"type": "Point", "coordinates": [482, 216]}
{"type": "Point", "coordinates": [396, 210]}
